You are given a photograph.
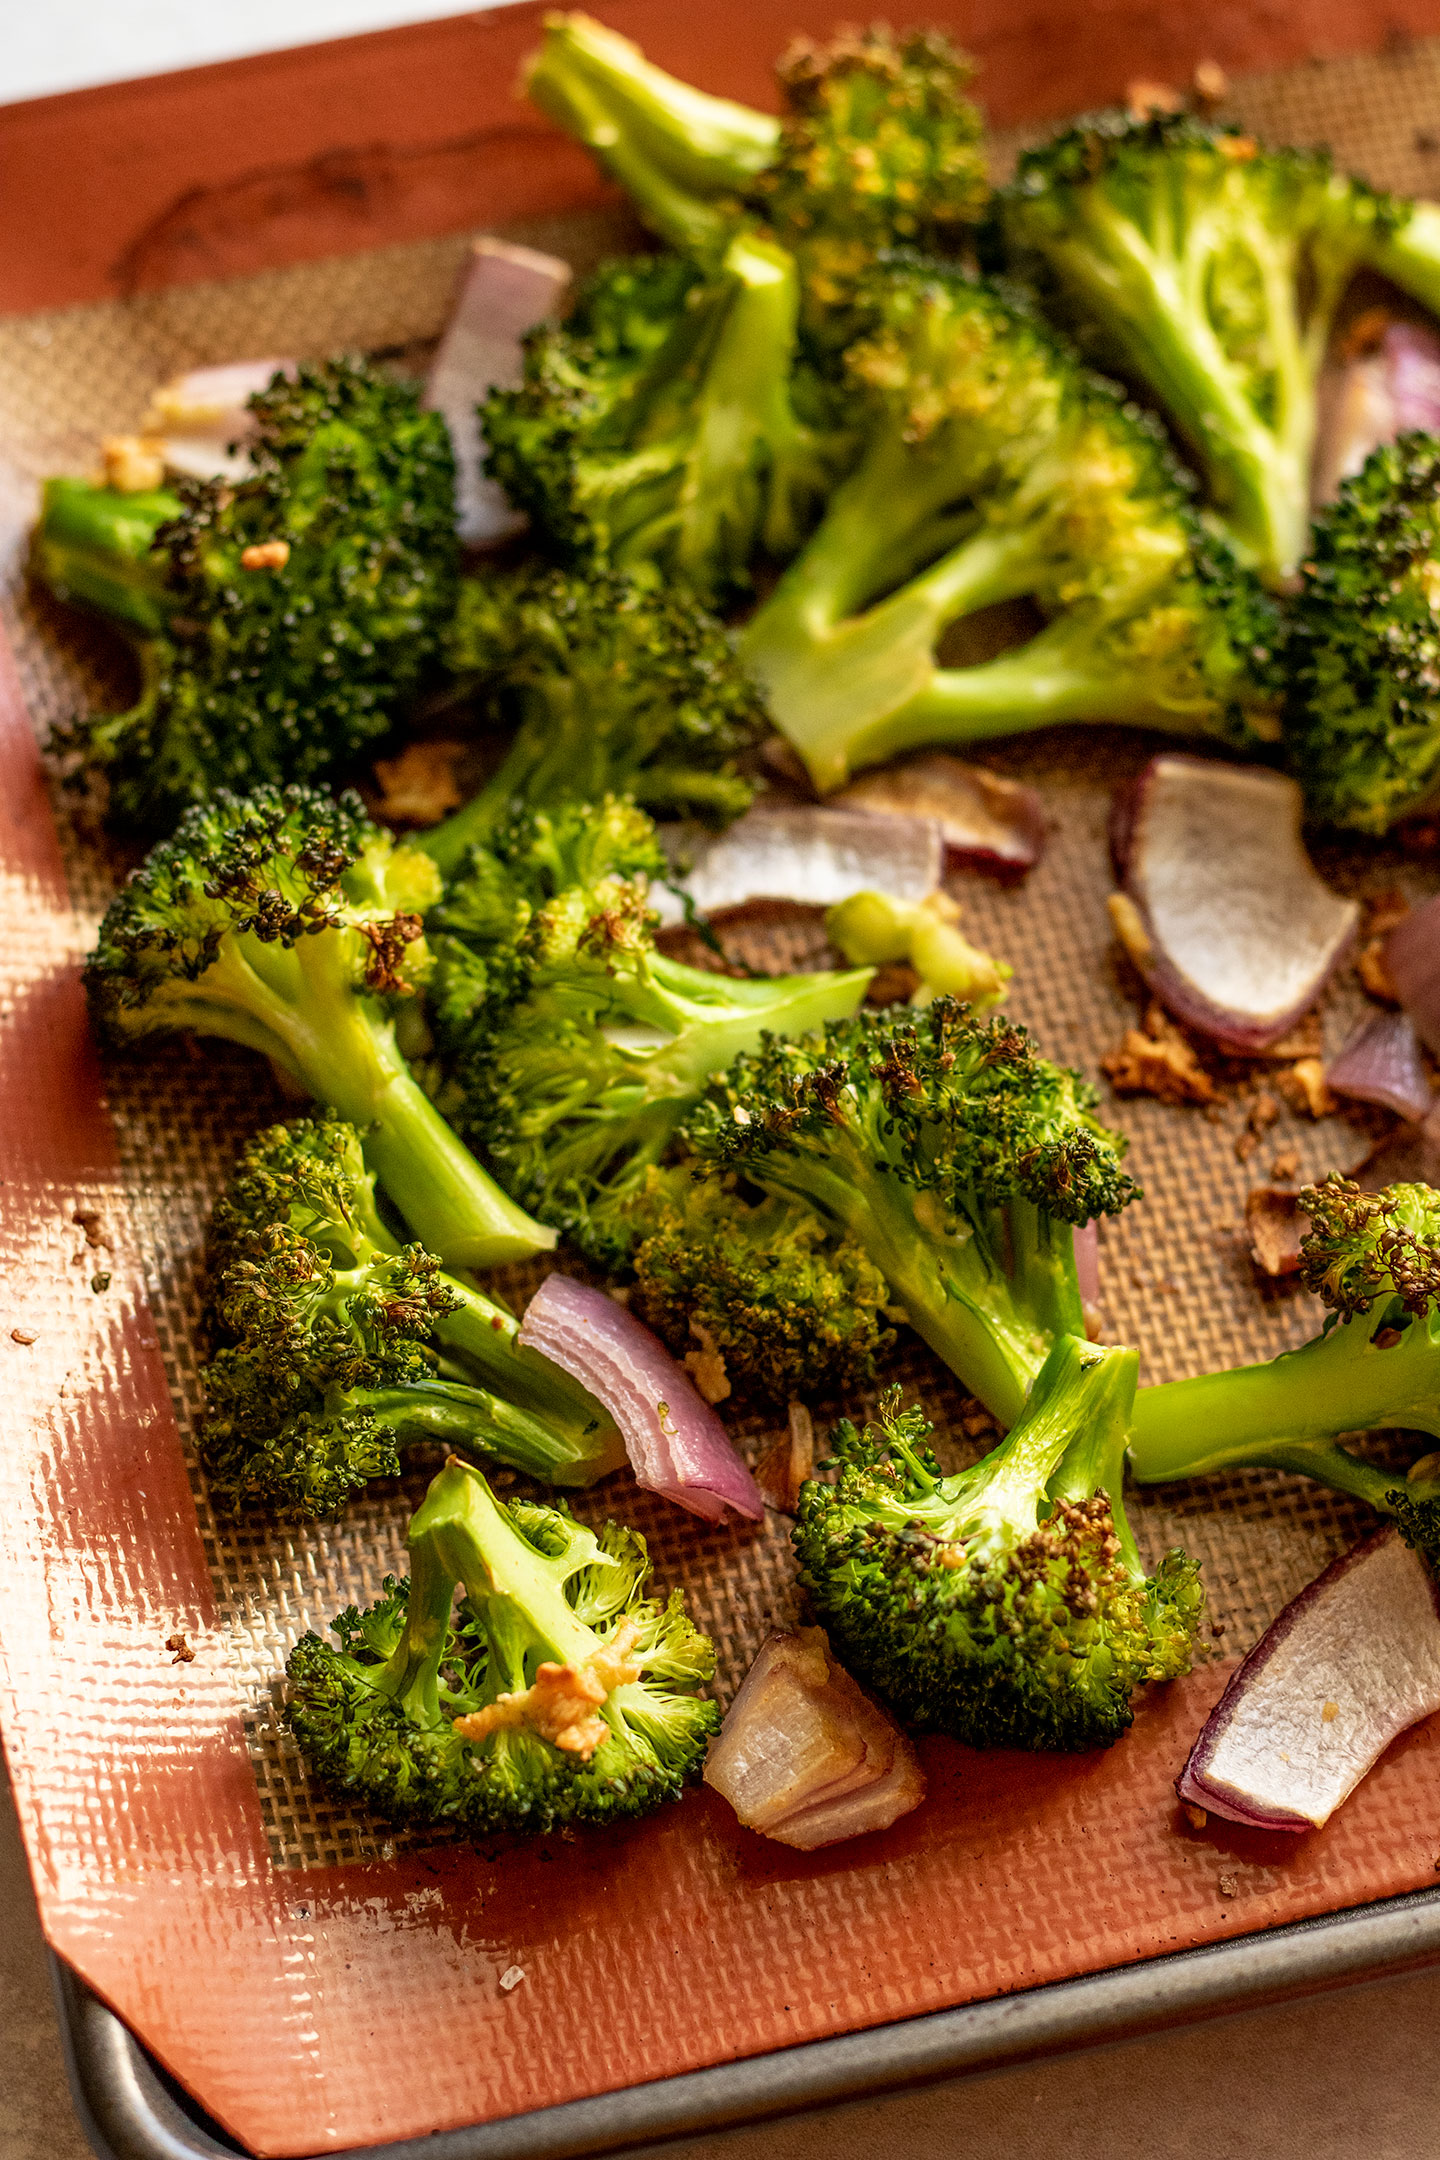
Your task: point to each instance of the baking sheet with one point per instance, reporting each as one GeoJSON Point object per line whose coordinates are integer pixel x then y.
{"type": "Point", "coordinates": [313, 1978]}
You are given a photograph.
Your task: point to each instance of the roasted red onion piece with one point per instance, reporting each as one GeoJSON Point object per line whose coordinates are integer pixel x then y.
{"type": "Point", "coordinates": [1087, 1261]}
{"type": "Point", "coordinates": [1223, 912]}
{"type": "Point", "coordinates": [987, 822]}
{"type": "Point", "coordinates": [504, 291]}
{"type": "Point", "coordinates": [1389, 384]}
{"type": "Point", "coordinates": [804, 1756]}
{"type": "Point", "coordinates": [803, 854]}
{"type": "Point", "coordinates": [1412, 962]}
{"type": "Point", "coordinates": [1349, 1665]}
{"type": "Point", "coordinates": [677, 1446]}
{"type": "Point", "coordinates": [1381, 1063]}
{"type": "Point", "coordinates": [196, 417]}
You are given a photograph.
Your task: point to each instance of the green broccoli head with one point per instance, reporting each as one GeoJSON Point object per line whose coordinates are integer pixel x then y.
{"type": "Point", "coordinates": [1005, 1605]}
{"type": "Point", "coordinates": [609, 685]}
{"type": "Point", "coordinates": [954, 1153]}
{"type": "Point", "coordinates": [557, 1693]}
{"type": "Point", "coordinates": [288, 922]}
{"type": "Point", "coordinates": [344, 1349]}
{"type": "Point", "coordinates": [997, 469]}
{"type": "Point", "coordinates": [790, 1308]}
{"type": "Point", "coordinates": [1364, 1248]}
{"type": "Point", "coordinates": [303, 606]}
{"type": "Point", "coordinates": [668, 424]}
{"type": "Point", "coordinates": [1362, 717]}
{"type": "Point", "coordinates": [1206, 270]}
{"type": "Point", "coordinates": [572, 1048]}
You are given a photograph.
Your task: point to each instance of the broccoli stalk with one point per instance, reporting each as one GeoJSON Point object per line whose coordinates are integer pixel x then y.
{"type": "Point", "coordinates": [666, 422]}
{"type": "Point", "coordinates": [1374, 1258]}
{"type": "Point", "coordinates": [956, 1157]}
{"type": "Point", "coordinates": [1362, 714]}
{"type": "Point", "coordinates": [287, 922]}
{"type": "Point", "coordinates": [323, 1382]}
{"type": "Point", "coordinates": [572, 1048]}
{"type": "Point", "coordinates": [301, 607]}
{"type": "Point", "coordinates": [558, 1693]}
{"type": "Point", "coordinates": [94, 546]}
{"type": "Point", "coordinates": [1207, 271]}
{"type": "Point", "coordinates": [997, 470]}
{"type": "Point", "coordinates": [612, 686]}
{"type": "Point", "coordinates": [1007, 1604]}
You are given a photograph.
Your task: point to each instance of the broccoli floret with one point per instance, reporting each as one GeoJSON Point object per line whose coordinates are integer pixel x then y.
{"type": "Point", "coordinates": [572, 1047]}
{"type": "Point", "coordinates": [953, 1153]}
{"type": "Point", "coordinates": [1206, 270]}
{"type": "Point", "coordinates": [878, 929]}
{"type": "Point", "coordinates": [996, 469]}
{"type": "Point", "coordinates": [878, 147]}
{"type": "Point", "coordinates": [94, 547]}
{"type": "Point", "coordinates": [1006, 1605]}
{"type": "Point", "coordinates": [556, 1693]}
{"type": "Point", "coordinates": [1362, 715]}
{"type": "Point", "coordinates": [611, 685]}
{"type": "Point", "coordinates": [667, 422]}
{"type": "Point", "coordinates": [288, 922]}
{"type": "Point", "coordinates": [1374, 1258]}
{"type": "Point", "coordinates": [789, 1308]}
{"type": "Point", "coordinates": [324, 1378]}
{"type": "Point", "coordinates": [302, 606]}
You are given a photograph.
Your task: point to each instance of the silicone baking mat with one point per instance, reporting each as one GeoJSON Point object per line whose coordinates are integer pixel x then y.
{"type": "Point", "coordinates": [312, 1979]}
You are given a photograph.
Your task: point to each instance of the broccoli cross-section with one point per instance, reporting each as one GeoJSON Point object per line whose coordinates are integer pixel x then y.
{"type": "Point", "coordinates": [345, 1348]}
{"type": "Point", "coordinates": [286, 921]}
{"type": "Point", "coordinates": [301, 607]}
{"type": "Point", "coordinates": [556, 1693]}
{"type": "Point", "coordinates": [1206, 270]}
{"type": "Point", "coordinates": [1007, 1604]}
{"type": "Point", "coordinates": [1374, 1259]}
{"type": "Point", "coordinates": [953, 1153]}
{"type": "Point", "coordinates": [997, 470]}
{"type": "Point", "coordinates": [572, 1047]}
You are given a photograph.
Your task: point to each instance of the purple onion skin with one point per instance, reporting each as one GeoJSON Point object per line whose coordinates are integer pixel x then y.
{"type": "Point", "coordinates": [1412, 959]}
{"type": "Point", "coordinates": [1381, 1064]}
{"type": "Point", "coordinates": [1087, 1261]}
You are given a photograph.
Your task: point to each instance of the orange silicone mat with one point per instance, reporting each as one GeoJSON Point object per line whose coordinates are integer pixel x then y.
{"type": "Point", "coordinates": [314, 1981]}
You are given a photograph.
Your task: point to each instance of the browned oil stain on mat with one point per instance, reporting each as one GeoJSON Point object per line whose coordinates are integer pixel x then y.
{"type": "Point", "coordinates": [316, 1981]}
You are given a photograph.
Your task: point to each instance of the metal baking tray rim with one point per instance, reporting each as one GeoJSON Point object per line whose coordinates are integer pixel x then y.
{"type": "Point", "coordinates": [131, 2111]}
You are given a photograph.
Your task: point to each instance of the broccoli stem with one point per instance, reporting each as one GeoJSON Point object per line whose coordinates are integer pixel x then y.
{"type": "Point", "coordinates": [93, 546]}
{"type": "Point", "coordinates": [669, 145]}
{"type": "Point", "coordinates": [1259, 474]}
{"type": "Point", "coordinates": [1284, 1415]}
{"type": "Point", "coordinates": [410, 1675]}
{"type": "Point", "coordinates": [1411, 255]}
{"type": "Point", "coordinates": [472, 1418]}
{"type": "Point", "coordinates": [1094, 1460]}
{"type": "Point", "coordinates": [517, 1590]}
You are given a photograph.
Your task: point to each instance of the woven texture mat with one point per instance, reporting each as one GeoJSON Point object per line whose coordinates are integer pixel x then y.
{"type": "Point", "coordinates": [1177, 1281]}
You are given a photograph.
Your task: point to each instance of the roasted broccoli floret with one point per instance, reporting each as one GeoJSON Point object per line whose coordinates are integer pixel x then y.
{"type": "Point", "coordinates": [1007, 1604]}
{"type": "Point", "coordinates": [774, 1304]}
{"type": "Point", "coordinates": [1362, 715]}
{"type": "Point", "coordinates": [996, 469]}
{"type": "Point", "coordinates": [288, 922]}
{"type": "Point", "coordinates": [668, 423]}
{"type": "Point", "coordinates": [344, 1348]}
{"type": "Point", "coordinates": [611, 685]}
{"type": "Point", "coordinates": [1206, 270]}
{"type": "Point", "coordinates": [95, 547]}
{"type": "Point", "coordinates": [572, 1047]}
{"type": "Point", "coordinates": [556, 1693]}
{"type": "Point", "coordinates": [879, 147]}
{"type": "Point", "coordinates": [1374, 1259]}
{"type": "Point", "coordinates": [953, 1153]}
{"type": "Point", "coordinates": [301, 606]}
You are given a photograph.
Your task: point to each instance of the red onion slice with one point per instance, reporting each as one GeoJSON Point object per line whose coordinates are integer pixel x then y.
{"type": "Point", "coordinates": [804, 855]}
{"type": "Point", "coordinates": [1349, 1665]}
{"type": "Point", "coordinates": [504, 291]}
{"type": "Point", "coordinates": [1381, 1063]}
{"type": "Point", "coordinates": [1412, 961]}
{"type": "Point", "coordinates": [677, 1445]}
{"type": "Point", "coordinates": [1389, 386]}
{"type": "Point", "coordinates": [1087, 1261]}
{"type": "Point", "coordinates": [1223, 912]}
{"type": "Point", "coordinates": [195, 417]}
{"type": "Point", "coordinates": [805, 1756]}
{"type": "Point", "coordinates": [986, 821]}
